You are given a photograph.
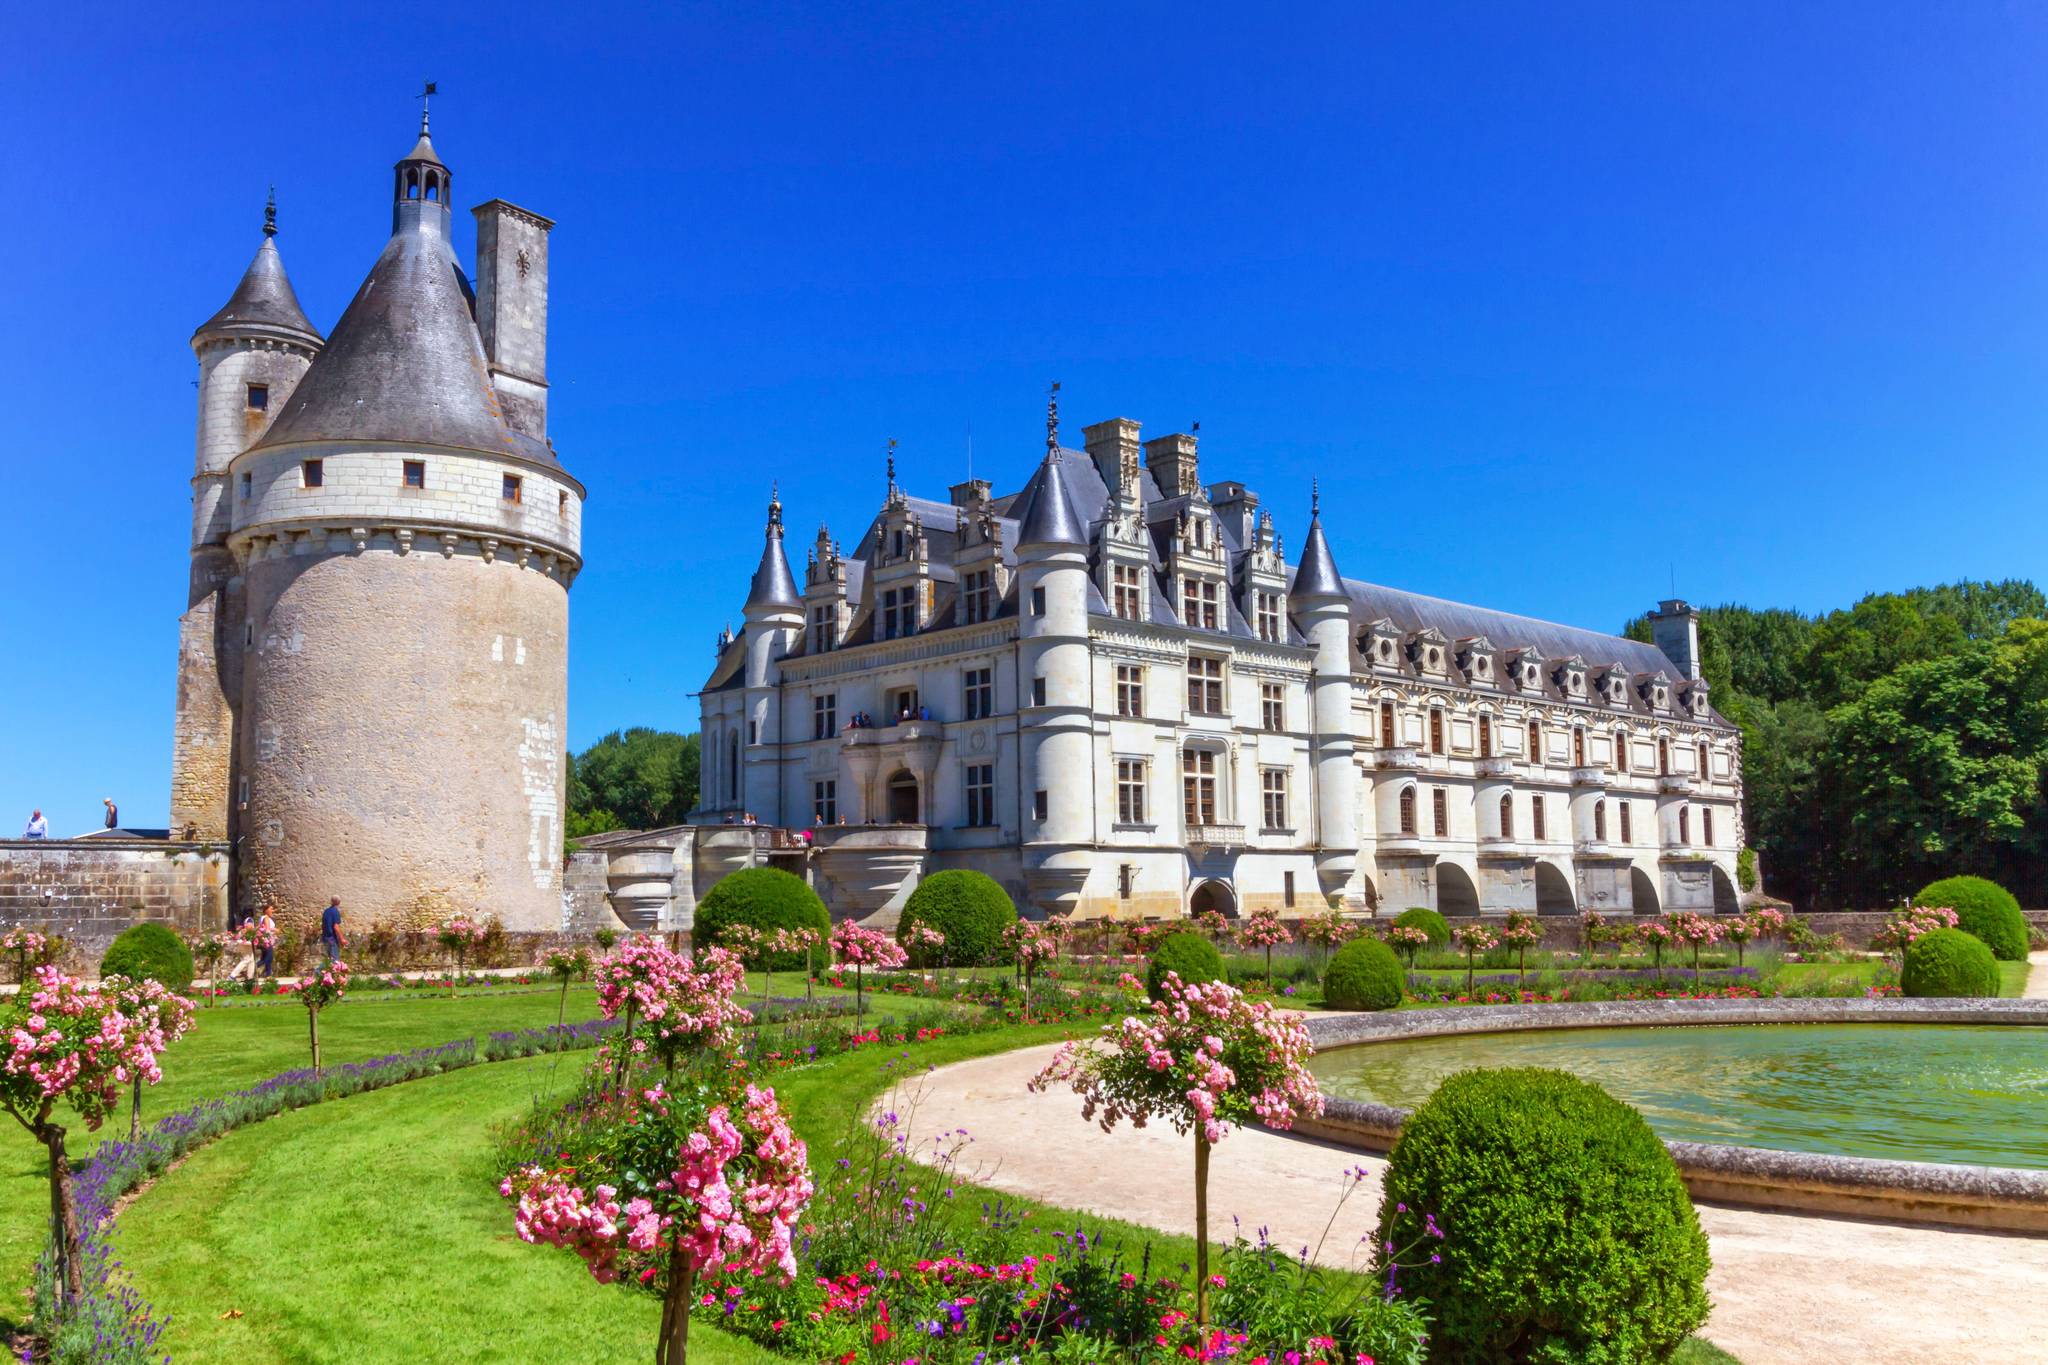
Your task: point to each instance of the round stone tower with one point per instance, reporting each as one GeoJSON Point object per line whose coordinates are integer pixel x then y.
{"type": "Point", "coordinates": [407, 540]}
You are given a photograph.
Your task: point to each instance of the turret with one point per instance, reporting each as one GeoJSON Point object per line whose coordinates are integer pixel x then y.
{"type": "Point", "coordinates": [1055, 712]}
{"type": "Point", "coordinates": [1322, 608]}
{"type": "Point", "coordinates": [420, 186]}
{"type": "Point", "coordinates": [775, 616]}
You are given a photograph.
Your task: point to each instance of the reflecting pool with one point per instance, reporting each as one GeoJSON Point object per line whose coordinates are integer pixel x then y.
{"type": "Point", "coordinates": [1915, 1092]}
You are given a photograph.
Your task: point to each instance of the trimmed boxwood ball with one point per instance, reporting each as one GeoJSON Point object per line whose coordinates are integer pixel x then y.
{"type": "Point", "coordinates": [1983, 908]}
{"type": "Point", "coordinates": [1949, 962]}
{"type": "Point", "coordinates": [1190, 955]}
{"type": "Point", "coordinates": [970, 908]}
{"type": "Point", "coordinates": [1567, 1232]}
{"type": "Point", "coordinates": [1428, 921]}
{"type": "Point", "coordinates": [767, 898]}
{"type": "Point", "coordinates": [1363, 975]}
{"type": "Point", "coordinates": [149, 952]}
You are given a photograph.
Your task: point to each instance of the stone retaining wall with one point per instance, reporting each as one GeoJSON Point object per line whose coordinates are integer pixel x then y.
{"type": "Point", "coordinates": [89, 890]}
{"type": "Point", "coordinates": [1855, 926]}
{"type": "Point", "coordinates": [1983, 1197]}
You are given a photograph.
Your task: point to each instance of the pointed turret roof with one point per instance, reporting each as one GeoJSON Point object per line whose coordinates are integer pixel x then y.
{"type": "Point", "coordinates": [1045, 509]}
{"type": "Point", "coordinates": [1316, 575]}
{"type": "Point", "coordinates": [774, 585]}
{"type": "Point", "coordinates": [264, 302]}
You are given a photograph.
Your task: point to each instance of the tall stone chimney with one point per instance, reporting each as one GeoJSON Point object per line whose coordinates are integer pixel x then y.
{"type": "Point", "coordinates": [1172, 462]}
{"type": "Point", "coordinates": [1675, 629]}
{"type": "Point", "coordinates": [1113, 448]}
{"type": "Point", "coordinates": [512, 310]}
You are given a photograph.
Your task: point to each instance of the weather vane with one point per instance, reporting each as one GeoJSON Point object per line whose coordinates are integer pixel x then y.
{"type": "Point", "coordinates": [1052, 418]}
{"type": "Point", "coordinates": [426, 91]}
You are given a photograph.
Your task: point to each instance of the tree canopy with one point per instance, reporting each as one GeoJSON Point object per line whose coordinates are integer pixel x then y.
{"type": "Point", "coordinates": [633, 779]}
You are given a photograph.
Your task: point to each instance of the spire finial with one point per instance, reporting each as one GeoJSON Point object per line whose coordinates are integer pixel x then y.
{"type": "Point", "coordinates": [775, 508]}
{"type": "Point", "coordinates": [270, 214]}
{"type": "Point", "coordinates": [1052, 420]}
{"type": "Point", "coordinates": [1315, 497]}
{"type": "Point", "coordinates": [427, 91]}
{"type": "Point", "coordinates": [892, 464]}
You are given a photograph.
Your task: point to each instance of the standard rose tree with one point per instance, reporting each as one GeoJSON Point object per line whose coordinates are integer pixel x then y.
{"type": "Point", "coordinates": [71, 1043]}
{"type": "Point", "coordinates": [672, 1003]}
{"type": "Point", "coordinates": [564, 964]}
{"type": "Point", "coordinates": [1521, 933]}
{"type": "Point", "coordinates": [461, 935]}
{"type": "Point", "coordinates": [318, 990]}
{"type": "Point", "coordinates": [1263, 929]}
{"type": "Point", "coordinates": [1031, 947]}
{"type": "Point", "coordinates": [1204, 1057]}
{"type": "Point", "coordinates": [29, 950]}
{"type": "Point", "coordinates": [1474, 939]}
{"type": "Point", "coordinates": [863, 948]}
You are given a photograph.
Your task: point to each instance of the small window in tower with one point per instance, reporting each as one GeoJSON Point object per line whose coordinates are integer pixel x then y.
{"type": "Point", "coordinates": [1038, 691]}
{"type": "Point", "coordinates": [259, 397]}
{"type": "Point", "coordinates": [311, 474]}
{"type": "Point", "coordinates": [511, 492]}
{"type": "Point", "coordinates": [415, 473]}
{"type": "Point", "coordinates": [1038, 601]}
{"type": "Point", "coordinates": [248, 484]}
{"type": "Point", "coordinates": [1039, 805]}
{"type": "Point", "coordinates": [562, 504]}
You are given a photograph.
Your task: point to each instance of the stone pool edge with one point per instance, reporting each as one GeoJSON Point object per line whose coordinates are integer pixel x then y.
{"type": "Point", "coordinates": [1985, 1198]}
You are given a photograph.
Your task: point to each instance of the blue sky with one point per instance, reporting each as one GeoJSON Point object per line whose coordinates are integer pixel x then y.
{"type": "Point", "coordinates": [1558, 303]}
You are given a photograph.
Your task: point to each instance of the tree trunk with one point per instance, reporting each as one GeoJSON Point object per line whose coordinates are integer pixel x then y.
{"type": "Point", "coordinates": [860, 999]}
{"type": "Point", "coordinates": [562, 1008]}
{"type": "Point", "coordinates": [135, 1109]}
{"type": "Point", "coordinates": [313, 1029]}
{"type": "Point", "coordinates": [674, 1346]}
{"type": "Point", "coordinates": [1201, 1229]}
{"type": "Point", "coordinates": [63, 1216]}
{"type": "Point", "coordinates": [1269, 969]}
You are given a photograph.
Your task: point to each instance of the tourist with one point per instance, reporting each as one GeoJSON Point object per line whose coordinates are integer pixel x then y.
{"type": "Point", "coordinates": [245, 964]}
{"type": "Point", "coordinates": [331, 937]}
{"type": "Point", "coordinates": [38, 827]}
{"type": "Point", "coordinates": [113, 814]}
{"type": "Point", "coordinates": [266, 925]}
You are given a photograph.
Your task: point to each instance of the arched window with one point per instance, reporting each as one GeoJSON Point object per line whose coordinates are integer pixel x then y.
{"type": "Point", "coordinates": [1436, 729]}
{"type": "Point", "coordinates": [1507, 816]}
{"type": "Point", "coordinates": [1600, 821]}
{"type": "Point", "coordinates": [412, 184]}
{"type": "Point", "coordinates": [1439, 810]}
{"type": "Point", "coordinates": [1535, 741]}
{"type": "Point", "coordinates": [1407, 810]}
{"type": "Point", "coordinates": [1663, 757]}
{"type": "Point", "coordinates": [1486, 736]}
{"type": "Point", "coordinates": [1684, 825]}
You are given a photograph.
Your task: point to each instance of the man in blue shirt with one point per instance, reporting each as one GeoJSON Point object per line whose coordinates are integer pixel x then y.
{"type": "Point", "coordinates": [330, 929]}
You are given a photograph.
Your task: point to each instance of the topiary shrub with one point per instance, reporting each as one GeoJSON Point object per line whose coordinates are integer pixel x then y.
{"type": "Point", "coordinates": [1429, 921]}
{"type": "Point", "coordinates": [970, 908]}
{"type": "Point", "coordinates": [1983, 908]}
{"type": "Point", "coordinates": [1949, 962]}
{"type": "Point", "coordinates": [767, 899]}
{"type": "Point", "coordinates": [1364, 975]}
{"type": "Point", "coordinates": [1567, 1234]}
{"type": "Point", "coordinates": [149, 952]}
{"type": "Point", "coordinates": [1190, 955]}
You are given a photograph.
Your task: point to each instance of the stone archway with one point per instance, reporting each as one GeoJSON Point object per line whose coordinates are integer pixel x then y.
{"type": "Point", "coordinates": [1553, 891]}
{"type": "Point", "coordinates": [904, 806]}
{"type": "Point", "coordinates": [1643, 891]}
{"type": "Point", "coordinates": [1725, 902]}
{"type": "Point", "coordinates": [1212, 895]}
{"type": "Point", "coordinates": [1455, 894]}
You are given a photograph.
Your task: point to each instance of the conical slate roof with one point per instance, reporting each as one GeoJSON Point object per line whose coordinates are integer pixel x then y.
{"type": "Point", "coordinates": [263, 302]}
{"type": "Point", "coordinates": [405, 363]}
{"type": "Point", "coordinates": [1045, 510]}
{"type": "Point", "coordinates": [1316, 575]}
{"type": "Point", "coordinates": [774, 585]}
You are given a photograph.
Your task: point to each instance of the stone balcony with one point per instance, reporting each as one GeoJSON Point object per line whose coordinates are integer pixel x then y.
{"type": "Point", "coordinates": [1592, 848]}
{"type": "Point", "coordinates": [1215, 836]}
{"type": "Point", "coordinates": [1496, 766]}
{"type": "Point", "coordinates": [902, 732]}
{"type": "Point", "coordinates": [1398, 758]}
{"type": "Point", "coordinates": [1588, 775]}
{"type": "Point", "coordinates": [1677, 784]}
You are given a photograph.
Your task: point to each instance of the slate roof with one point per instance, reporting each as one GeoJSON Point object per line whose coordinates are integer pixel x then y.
{"type": "Point", "coordinates": [774, 585]}
{"type": "Point", "coordinates": [264, 302]}
{"type": "Point", "coordinates": [1048, 516]}
{"type": "Point", "coordinates": [1316, 575]}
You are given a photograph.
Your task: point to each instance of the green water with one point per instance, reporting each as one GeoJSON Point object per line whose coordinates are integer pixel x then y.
{"type": "Point", "coordinates": [1914, 1092]}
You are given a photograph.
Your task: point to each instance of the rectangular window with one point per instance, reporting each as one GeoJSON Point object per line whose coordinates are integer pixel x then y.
{"type": "Point", "coordinates": [981, 795]}
{"type": "Point", "coordinates": [1198, 786]}
{"type": "Point", "coordinates": [1287, 889]}
{"type": "Point", "coordinates": [1273, 706]}
{"type": "Point", "coordinates": [311, 473]}
{"type": "Point", "coordinates": [1130, 689]}
{"type": "Point", "coordinates": [977, 596]}
{"type": "Point", "coordinates": [1124, 878]}
{"type": "Point", "coordinates": [1628, 834]}
{"type": "Point", "coordinates": [753, 732]}
{"type": "Point", "coordinates": [899, 613]}
{"type": "Point", "coordinates": [1127, 594]}
{"type": "Point", "coordinates": [1038, 691]}
{"type": "Point", "coordinates": [1273, 798]}
{"type": "Point", "coordinates": [1440, 811]}
{"type": "Point", "coordinates": [1388, 736]}
{"type": "Point", "coordinates": [259, 397]}
{"type": "Point", "coordinates": [824, 715]}
{"type": "Point", "coordinates": [1536, 805]}
{"type": "Point", "coordinates": [415, 473]}
{"type": "Point", "coordinates": [1198, 604]}
{"type": "Point", "coordinates": [825, 628]}
{"type": "Point", "coordinates": [1578, 748]}
{"type": "Point", "coordinates": [1130, 791]}
{"type": "Point", "coordinates": [1707, 826]}
{"type": "Point", "coordinates": [1268, 613]}
{"type": "Point", "coordinates": [509, 490]}
{"type": "Point", "coordinates": [1436, 730]}
{"type": "Point", "coordinates": [1038, 601]}
{"type": "Point", "coordinates": [1620, 752]}
{"type": "Point", "coordinates": [981, 693]}
{"type": "Point", "coordinates": [1038, 806]}
{"type": "Point", "coordinates": [1486, 736]}
{"type": "Point", "coordinates": [1205, 686]}
{"type": "Point", "coordinates": [562, 504]}
{"type": "Point", "coordinates": [825, 802]}
{"type": "Point", "coordinates": [248, 485]}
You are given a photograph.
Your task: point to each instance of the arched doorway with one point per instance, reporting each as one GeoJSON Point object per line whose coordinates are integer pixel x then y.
{"type": "Point", "coordinates": [1553, 892]}
{"type": "Point", "coordinates": [903, 803]}
{"type": "Point", "coordinates": [1644, 892]}
{"type": "Point", "coordinates": [1455, 894]}
{"type": "Point", "coordinates": [1212, 895]}
{"type": "Point", "coordinates": [1724, 893]}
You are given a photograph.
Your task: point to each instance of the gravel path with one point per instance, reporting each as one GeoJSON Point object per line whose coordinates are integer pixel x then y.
{"type": "Point", "coordinates": [2037, 978]}
{"type": "Point", "coordinates": [1788, 1289]}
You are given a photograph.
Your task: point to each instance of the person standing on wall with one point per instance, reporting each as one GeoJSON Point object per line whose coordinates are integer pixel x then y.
{"type": "Point", "coordinates": [331, 937]}
{"type": "Point", "coordinates": [113, 814]}
{"type": "Point", "coordinates": [38, 827]}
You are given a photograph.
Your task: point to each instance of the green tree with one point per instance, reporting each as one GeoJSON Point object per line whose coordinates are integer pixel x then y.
{"type": "Point", "coordinates": [633, 779]}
